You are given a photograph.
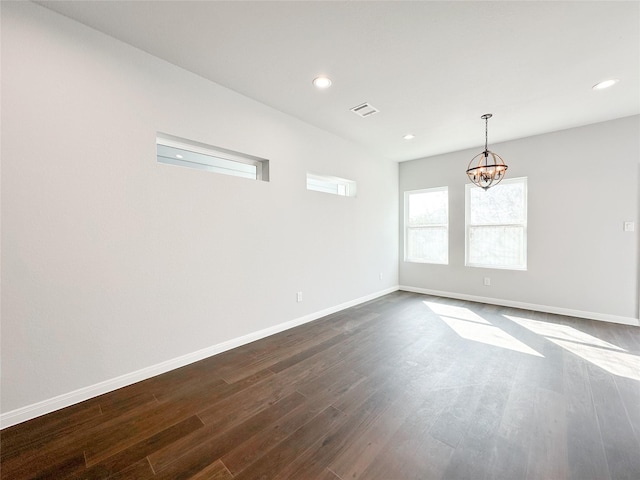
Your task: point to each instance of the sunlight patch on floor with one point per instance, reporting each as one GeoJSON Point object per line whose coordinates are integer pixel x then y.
{"type": "Point", "coordinates": [603, 354]}
{"type": "Point", "coordinates": [452, 311]}
{"type": "Point", "coordinates": [472, 326]}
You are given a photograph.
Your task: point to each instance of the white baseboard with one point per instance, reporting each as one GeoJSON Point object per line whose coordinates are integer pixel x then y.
{"type": "Point", "coordinates": [527, 306]}
{"type": "Point", "coordinates": [29, 412]}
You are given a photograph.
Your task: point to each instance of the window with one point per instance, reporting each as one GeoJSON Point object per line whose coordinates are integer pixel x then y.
{"type": "Point", "coordinates": [427, 225]}
{"type": "Point", "coordinates": [496, 221]}
{"type": "Point", "coordinates": [186, 153]}
{"type": "Point", "coordinates": [334, 185]}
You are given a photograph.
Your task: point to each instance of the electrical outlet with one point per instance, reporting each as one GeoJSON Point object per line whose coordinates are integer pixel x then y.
{"type": "Point", "coordinates": [487, 281]}
{"type": "Point", "coordinates": [299, 296]}
{"type": "Point", "coordinates": [380, 276]}
{"type": "Point", "coordinates": [629, 226]}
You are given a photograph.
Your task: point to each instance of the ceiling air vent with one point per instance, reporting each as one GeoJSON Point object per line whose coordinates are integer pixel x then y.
{"type": "Point", "coordinates": [364, 110]}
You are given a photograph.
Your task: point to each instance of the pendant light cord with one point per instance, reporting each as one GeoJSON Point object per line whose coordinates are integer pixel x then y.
{"type": "Point", "coordinates": [486, 134]}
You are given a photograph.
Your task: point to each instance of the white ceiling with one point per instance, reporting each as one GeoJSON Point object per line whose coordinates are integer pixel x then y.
{"type": "Point", "coordinates": [431, 68]}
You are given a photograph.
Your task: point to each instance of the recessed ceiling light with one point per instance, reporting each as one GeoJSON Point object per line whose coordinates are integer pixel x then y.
{"type": "Point", "coordinates": [322, 82]}
{"type": "Point", "coordinates": [606, 84]}
{"type": "Point", "coordinates": [409, 136]}
{"type": "Point", "coordinates": [178, 155]}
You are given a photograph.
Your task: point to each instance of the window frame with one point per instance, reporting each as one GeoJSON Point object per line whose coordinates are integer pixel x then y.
{"type": "Point", "coordinates": [343, 186]}
{"type": "Point", "coordinates": [407, 227]}
{"type": "Point", "coordinates": [468, 226]}
{"type": "Point", "coordinates": [219, 160]}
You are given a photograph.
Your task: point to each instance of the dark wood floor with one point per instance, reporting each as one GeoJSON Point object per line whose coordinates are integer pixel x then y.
{"type": "Point", "coordinates": [407, 386]}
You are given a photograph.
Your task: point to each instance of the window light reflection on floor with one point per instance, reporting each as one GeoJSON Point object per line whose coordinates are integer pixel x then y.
{"type": "Point", "coordinates": [603, 354]}
{"type": "Point", "coordinates": [472, 326]}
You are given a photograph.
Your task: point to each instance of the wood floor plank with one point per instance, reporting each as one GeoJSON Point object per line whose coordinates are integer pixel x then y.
{"type": "Point", "coordinates": [468, 462]}
{"type": "Point", "coordinates": [239, 371]}
{"type": "Point", "coordinates": [548, 456]}
{"type": "Point", "coordinates": [357, 394]}
{"type": "Point", "coordinates": [337, 353]}
{"type": "Point", "coordinates": [508, 460]}
{"type": "Point", "coordinates": [618, 436]}
{"type": "Point", "coordinates": [259, 444]}
{"type": "Point", "coordinates": [456, 418]}
{"type": "Point", "coordinates": [80, 417]}
{"type": "Point", "coordinates": [585, 450]}
{"type": "Point", "coordinates": [57, 455]}
{"type": "Point", "coordinates": [67, 468]}
{"type": "Point", "coordinates": [17, 439]}
{"type": "Point", "coordinates": [129, 407]}
{"type": "Point", "coordinates": [325, 450]}
{"type": "Point", "coordinates": [367, 432]}
{"type": "Point", "coordinates": [323, 390]}
{"type": "Point", "coordinates": [72, 438]}
{"type": "Point", "coordinates": [210, 443]}
{"type": "Point", "coordinates": [629, 393]}
{"type": "Point", "coordinates": [238, 407]}
{"type": "Point", "coordinates": [270, 464]}
{"type": "Point", "coordinates": [307, 352]}
{"type": "Point", "coordinates": [333, 378]}
{"type": "Point", "coordinates": [141, 470]}
{"type": "Point", "coordinates": [487, 416]}
{"type": "Point", "coordinates": [164, 392]}
{"type": "Point", "coordinates": [123, 401]}
{"type": "Point", "coordinates": [119, 436]}
{"type": "Point", "coordinates": [215, 471]}
{"type": "Point", "coordinates": [475, 455]}
{"type": "Point", "coordinates": [355, 322]}
{"type": "Point", "coordinates": [139, 451]}
{"type": "Point", "coordinates": [411, 454]}
{"type": "Point", "coordinates": [326, 475]}
{"type": "Point", "coordinates": [328, 389]}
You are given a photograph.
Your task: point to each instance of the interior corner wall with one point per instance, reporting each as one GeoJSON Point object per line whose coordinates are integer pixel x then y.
{"type": "Point", "coordinates": [112, 262]}
{"type": "Point", "coordinates": [582, 187]}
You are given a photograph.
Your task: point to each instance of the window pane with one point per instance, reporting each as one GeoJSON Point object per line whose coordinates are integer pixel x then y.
{"type": "Point", "coordinates": [334, 185]}
{"type": "Point", "coordinates": [187, 153]}
{"type": "Point", "coordinates": [322, 186]}
{"type": "Point", "coordinates": [502, 204]}
{"type": "Point", "coordinates": [499, 246]}
{"type": "Point", "coordinates": [428, 208]}
{"type": "Point", "coordinates": [427, 244]}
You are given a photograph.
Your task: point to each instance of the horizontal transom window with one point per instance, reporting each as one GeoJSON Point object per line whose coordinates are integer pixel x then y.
{"type": "Point", "coordinates": [334, 185]}
{"type": "Point", "coordinates": [186, 153]}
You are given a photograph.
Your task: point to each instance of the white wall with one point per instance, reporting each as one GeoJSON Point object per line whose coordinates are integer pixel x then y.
{"type": "Point", "coordinates": [112, 263]}
{"type": "Point", "coordinates": [582, 186]}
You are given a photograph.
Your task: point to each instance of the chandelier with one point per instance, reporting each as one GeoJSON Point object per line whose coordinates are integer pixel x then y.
{"type": "Point", "coordinates": [487, 168]}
